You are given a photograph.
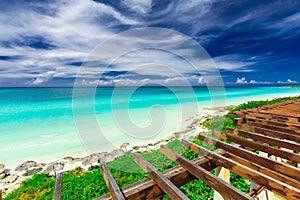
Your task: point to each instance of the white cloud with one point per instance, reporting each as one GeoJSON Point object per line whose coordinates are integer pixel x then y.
{"type": "Point", "coordinates": [291, 81]}
{"type": "Point", "coordinates": [201, 81]}
{"type": "Point", "coordinates": [285, 25]}
{"type": "Point", "coordinates": [175, 79]}
{"type": "Point", "coordinates": [139, 6]}
{"type": "Point", "coordinates": [115, 82]}
{"type": "Point", "coordinates": [38, 81]}
{"type": "Point", "coordinates": [233, 62]}
{"type": "Point", "coordinates": [74, 28]}
{"type": "Point", "coordinates": [241, 80]}
{"type": "Point", "coordinates": [288, 81]}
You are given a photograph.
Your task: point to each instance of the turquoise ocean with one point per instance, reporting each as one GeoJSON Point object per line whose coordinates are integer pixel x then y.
{"type": "Point", "coordinates": [39, 124]}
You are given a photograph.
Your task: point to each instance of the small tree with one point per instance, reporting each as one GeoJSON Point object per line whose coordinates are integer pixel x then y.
{"type": "Point", "coordinates": [124, 145]}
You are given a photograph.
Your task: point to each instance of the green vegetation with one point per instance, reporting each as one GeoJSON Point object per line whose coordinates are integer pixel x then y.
{"type": "Point", "coordinates": [40, 186]}
{"type": "Point", "coordinates": [78, 184]}
{"type": "Point", "coordinates": [291, 86]}
{"type": "Point", "coordinates": [219, 122]}
{"type": "Point", "coordinates": [256, 104]}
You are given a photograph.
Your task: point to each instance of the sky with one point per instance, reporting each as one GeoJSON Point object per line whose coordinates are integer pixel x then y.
{"type": "Point", "coordinates": [45, 43]}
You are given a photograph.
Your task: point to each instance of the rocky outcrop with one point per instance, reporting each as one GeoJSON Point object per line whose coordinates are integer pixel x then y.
{"type": "Point", "coordinates": [32, 171]}
{"type": "Point", "coordinates": [2, 176]}
{"type": "Point", "coordinates": [90, 160]}
{"type": "Point", "coordinates": [3, 172]}
{"type": "Point", "coordinates": [118, 153]}
{"type": "Point", "coordinates": [2, 166]}
{"type": "Point", "coordinates": [54, 167]}
{"type": "Point", "coordinates": [108, 158]}
{"type": "Point", "coordinates": [12, 178]}
{"type": "Point", "coordinates": [26, 165]}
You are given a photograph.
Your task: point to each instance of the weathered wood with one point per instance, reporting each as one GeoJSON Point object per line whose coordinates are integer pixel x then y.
{"type": "Point", "coordinates": [239, 121]}
{"type": "Point", "coordinates": [284, 112]}
{"type": "Point", "coordinates": [281, 112]}
{"type": "Point", "coordinates": [268, 182]}
{"type": "Point", "coordinates": [257, 114]}
{"type": "Point", "coordinates": [266, 117]}
{"type": "Point", "coordinates": [271, 133]}
{"type": "Point", "coordinates": [275, 128]}
{"type": "Point", "coordinates": [273, 122]}
{"type": "Point", "coordinates": [165, 184]}
{"type": "Point", "coordinates": [258, 146]}
{"type": "Point", "coordinates": [285, 108]}
{"type": "Point", "coordinates": [147, 189]}
{"type": "Point", "coordinates": [278, 176]}
{"type": "Point", "coordinates": [282, 117]}
{"type": "Point", "coordinates": [213, 181]}
{"type": "Point", "coordinates": [114, 189]}
{"type": "Point", "coordinates": [258, 189]}
{"type": "Point", "coordinates": [58, 186]}
{"type": "Point", "coordinates": [263, 161]}
{"type": "Point", "coordinates": [266, 139]}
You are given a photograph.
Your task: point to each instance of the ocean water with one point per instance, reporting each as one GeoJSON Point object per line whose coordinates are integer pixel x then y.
{"type": "Point", "coordinates": [44, 124]}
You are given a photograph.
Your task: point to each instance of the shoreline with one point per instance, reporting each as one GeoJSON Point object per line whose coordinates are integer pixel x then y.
{"type": "Point", "coordinates": [75, 148]}
{"type": "Point", "coordinates": [28, 168]}
{"type": "Point", "coordinates": [52, 166]}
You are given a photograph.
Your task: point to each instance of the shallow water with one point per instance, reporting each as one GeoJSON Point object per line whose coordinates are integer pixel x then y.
{"type": "Point", "coordinates": [39, 123]}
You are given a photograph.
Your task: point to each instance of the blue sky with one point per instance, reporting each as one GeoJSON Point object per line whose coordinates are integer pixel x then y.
{"type": "Point", "coordinates": [43, 43]}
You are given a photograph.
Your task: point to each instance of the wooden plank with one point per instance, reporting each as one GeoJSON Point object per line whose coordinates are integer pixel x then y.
{"type": "Point", "coordinates": [281, 112]}
{"type": "Point", "coordinates": [274, 114]}
{"type": "Point", "coordinates": [271, 133]}
{"type": "Point", "coordinates": [268, 182]}
{"type": "Point", "coordinates": [282, 117]}
{"type": "Point", "coordinates": [265, 139]}
{"type": "Point", "coordinates": [239, 121]}
{"type": "Point", "coordinates": [288, 109]}
{"type": "Point", "coordinates": [147, 189]}
{"type": "Point", "coordinates": [284, 111]}
{"type": "Point", "coordinates": [213, 181]}
{"type": "Point", "coordinates": [278, 176]}
{"type": "Point", "coordinates": [165, 184]}
{"type": "Point", "coordinates": [275, 128]}
{"type": "Point", "coordinates": [258, 146]}
{"type": "Point", "coordinates": [58, 186]}
{"type": "Point", "coordinates": [260, 115]}
{"type": "Point", "coordinates": [114, 189]}
{"type": "Point", "coordinates": [273, 122]}
{"type": "Point", "coordinates": [258, 189]}
{"type": "Point", "coordinates": [263, 161]}
{"type": "Point", "coordinates": [265, 117]}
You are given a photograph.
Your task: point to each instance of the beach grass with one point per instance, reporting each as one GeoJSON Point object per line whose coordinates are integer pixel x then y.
{"type": "Point", "coordinates": [78, 184]}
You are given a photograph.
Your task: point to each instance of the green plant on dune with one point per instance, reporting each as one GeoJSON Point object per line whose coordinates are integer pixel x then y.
{"type": "Point", "coordinates": [78, 184]}
{"type": "Point", "coordinates": [256, 104]}
{"type": "Point", "coordinates": [219, 122]}
{"type": "Point", "coordinates": [39, 186]}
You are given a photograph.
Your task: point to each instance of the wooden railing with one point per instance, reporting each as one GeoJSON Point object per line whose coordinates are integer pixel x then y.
{"type": "Point", "coordinates": [58, 186]}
